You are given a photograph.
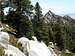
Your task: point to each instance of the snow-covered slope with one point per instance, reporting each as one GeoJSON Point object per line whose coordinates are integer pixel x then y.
{"type": "Point", "coordinates": [30, 47]}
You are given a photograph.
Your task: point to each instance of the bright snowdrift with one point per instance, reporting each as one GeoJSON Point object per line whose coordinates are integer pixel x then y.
{"type": "Point", "coordinates": [35, 48]}
{"type": "Point", "coordinates": [31, 47]}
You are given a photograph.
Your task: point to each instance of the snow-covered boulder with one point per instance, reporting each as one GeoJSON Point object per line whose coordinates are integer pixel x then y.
{"type": "Point", "coordinates": [25, 44]}
{"type": "Point", "coordinates": [23, 41]}
{"type": "Point", "coordinates": [34, 38]}
{"type": "Point", "coordinates": [4, 36]}
{"type": "Point", "coordinates": [11, 50]}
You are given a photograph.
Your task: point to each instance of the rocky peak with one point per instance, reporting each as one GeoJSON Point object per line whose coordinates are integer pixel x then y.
{"type": "Point", "coordinates": [49, 13]}
{"type": "Point", "coordinates": [51, 17]}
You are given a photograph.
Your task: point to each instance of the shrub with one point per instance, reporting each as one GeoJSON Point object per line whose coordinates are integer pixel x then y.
{"type": "Point", "coordinates": [13, 41]}
{"type": "Point", "coordinates": [1, 51]}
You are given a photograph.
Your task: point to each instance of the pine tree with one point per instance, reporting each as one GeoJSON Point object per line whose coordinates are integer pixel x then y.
{"type": "Point", "coordinates": [37, 20]}
{"type": "Point", "coordinates": [19, 19]}
{"type": "Point", "coordinates": [39, 26]}
{"type": "Point", "coordinates": [23, 5]}
{"type": "Point", "coordinates": [38, 12]}
{"type": "Point", "coordinates": [58, 34]}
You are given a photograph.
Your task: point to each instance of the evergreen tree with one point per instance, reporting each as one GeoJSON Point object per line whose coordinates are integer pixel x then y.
{"type": "Point", "coordinates": [40, 28]}
{"type": "Point", "coordinates": [19, 20]}
{"type": "Point", "coordinates": [37, 21]}
{"type": "Point", "coordinates": [38, 12]}
{"type": "Point", "coordinates": [58, 34]}
{"type": "Point", "coordinates": [51, 33]}
{"type": "Point", "coordinates": [23, 5]}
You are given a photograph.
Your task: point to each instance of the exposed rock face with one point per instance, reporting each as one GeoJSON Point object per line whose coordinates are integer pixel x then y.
{"type": "Point", "coordinates": [51, 17]}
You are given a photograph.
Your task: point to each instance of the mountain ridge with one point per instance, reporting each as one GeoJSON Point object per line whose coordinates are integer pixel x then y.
{"type": "Point", "coordinates": [50, 16]}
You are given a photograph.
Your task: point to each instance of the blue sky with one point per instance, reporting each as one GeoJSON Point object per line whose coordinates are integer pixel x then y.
{"type": "Point", "coordinates": [57, 6]}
